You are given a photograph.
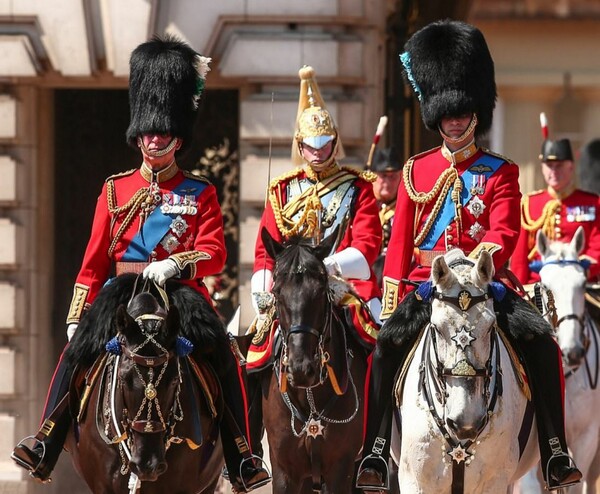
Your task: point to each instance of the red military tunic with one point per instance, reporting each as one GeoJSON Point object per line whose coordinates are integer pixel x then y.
{"type": "Point", "coordinates": [362, 232]}
{"type": "Point", "coordinates": [182, 221]}
{"type": "Point", "coordinates": [487, 218]}
{"type": "Point", "coordinates": [558, 216]}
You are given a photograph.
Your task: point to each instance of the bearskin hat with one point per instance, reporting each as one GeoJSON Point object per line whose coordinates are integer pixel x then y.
{"type": "Point", "coordinates": [450, 68]}
{"type": "Point", "coordinates": [165, 84]}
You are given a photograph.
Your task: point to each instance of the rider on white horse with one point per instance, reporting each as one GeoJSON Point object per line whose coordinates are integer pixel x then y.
{"type": "Point", "coordinates": [457, 196]}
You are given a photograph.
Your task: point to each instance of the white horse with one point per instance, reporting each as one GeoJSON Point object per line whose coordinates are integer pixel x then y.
{"type": "Point", "coordinates": [461, 404]}
{"type": "Point", "coordinates": [563, 279]}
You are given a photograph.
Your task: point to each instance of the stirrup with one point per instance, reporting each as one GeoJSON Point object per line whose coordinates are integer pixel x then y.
{"type": "Point", "coordinates": [253, 464]}
{"type": "Point", "coordinates": [384, 471]}
{"type": "Point", "coordinates": [552, 485]}
{"type": "Point", "coordinates": [34, 470]}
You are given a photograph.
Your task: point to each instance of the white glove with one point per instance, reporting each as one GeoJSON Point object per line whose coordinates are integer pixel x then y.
{"type": "Point", "coordinates": [71, 328]}
{"type": "Point", "coordinates": [161, 271]}
{"type": "Point", "coordinates": [260, 288]}
{"type": "Point", "coordinates": [348, 263]}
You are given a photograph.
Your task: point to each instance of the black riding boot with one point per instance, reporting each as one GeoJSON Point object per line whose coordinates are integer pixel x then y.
{"type": "Point", "coordinates": [395, 340]}
{"type": "Point", "coordinates": [544, 370]}
{"type": "Point", "coordinates": [41, 458]}
{"type": "Point", "coordinates": [244, 474]}
{"type": "Point", "coordinates": [373, 469]}
{"type": "Point", "coordinates": [255, 415]}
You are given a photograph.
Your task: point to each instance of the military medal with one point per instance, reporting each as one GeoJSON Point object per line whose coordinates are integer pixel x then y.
{"type": "Point", "coordinates": [476, 232]}
{"type": "Point", "coordinates": [178, 204]}
{"type": "Point", "coordinates": [170, 243]}
{"type": "Point", "coordinates": [179, 226]}
{"type": "Point", "coordinates": [478, 184]}
{"type": "Point", "coordinates": [580, 214]}
{"type": "Point", "coordinates": [476, 206]}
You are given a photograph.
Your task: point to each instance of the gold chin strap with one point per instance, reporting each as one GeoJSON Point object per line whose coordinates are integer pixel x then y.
{"type": "Point", "coordinates": [159, 153]}
{"type": "Point", "coordinates": [464, 136]}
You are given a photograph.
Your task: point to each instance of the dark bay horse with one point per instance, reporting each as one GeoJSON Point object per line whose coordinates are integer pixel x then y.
{"type": "Point", "coordinates": [313, 400]}
{"type": "Point", "coordinates": [147, 417]}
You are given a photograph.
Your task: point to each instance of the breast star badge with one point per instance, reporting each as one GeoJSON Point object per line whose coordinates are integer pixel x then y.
{"type": "Point", "coordinates": [476, 206]}
{"type": "Point", "coordinates": [463, 338]}
{"type": "Point", "coordinates": [459, 454]}
{"type": "Point", "coordinates": [314, 428]}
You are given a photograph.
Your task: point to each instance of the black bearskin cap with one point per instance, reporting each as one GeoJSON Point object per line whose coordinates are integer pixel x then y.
{"type": "Point", "coordinates": [385, 160]}
{"type": "Point", "coordinates": [450, 67]}
{"type": "Point", "coordinates": [559, 150]}
{"type": "Point", "coordinates": [164, 87]}
{"type": "Point", "coordinates": [590, 155]}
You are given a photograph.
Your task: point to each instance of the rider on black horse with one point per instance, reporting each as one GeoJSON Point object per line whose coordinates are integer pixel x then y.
{"type": "Point", "coordinates": [457, 195]}
{"type": "Point", "coordinates": [314, 201]}
{"type": "Point", "coordinates": [160, 221]}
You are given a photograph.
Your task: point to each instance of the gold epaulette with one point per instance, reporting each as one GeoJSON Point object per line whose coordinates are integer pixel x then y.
{"type": "Point", "coordinates": [534, 193]}
{"type": "Point", "coordinates": [122, 174]}
{"type": "Point", "coordinates": [497, 155]}
{"type": "Point", "coordinates": [286, 176]}
{"type": "Point", "coordinates": [193, 176]}
{"type": "Point", "coordinates": [366, 175]}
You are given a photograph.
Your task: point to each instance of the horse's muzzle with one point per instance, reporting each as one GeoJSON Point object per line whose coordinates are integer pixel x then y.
{"type": "Point", "coordinates": [148, 471]}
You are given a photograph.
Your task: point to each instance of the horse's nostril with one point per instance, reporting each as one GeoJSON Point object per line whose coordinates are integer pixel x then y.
{"type": "Point", "coordinates": [161, 468]}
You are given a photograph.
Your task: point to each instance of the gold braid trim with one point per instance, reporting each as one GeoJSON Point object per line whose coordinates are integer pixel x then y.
{"type": "Point", "coordinates": [308, 223]}
{"type": "Point", "coordinates": [546, 222]}
{"type": "Point", "coordinates": [132, 206]}
{"type": "Point", "coordinates": [448, 178]}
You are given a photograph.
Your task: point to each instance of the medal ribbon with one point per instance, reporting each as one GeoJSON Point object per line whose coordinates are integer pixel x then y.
{"type": "Point", "coordinates": [156, 226]}
{"type": "Point", "coordinates": [447, 212]}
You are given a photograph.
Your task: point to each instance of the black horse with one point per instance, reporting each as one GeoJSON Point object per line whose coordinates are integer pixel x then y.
{"type": "Point", "coordinates": [149, 402]}
{"type": "Point", "coordinates": [312, 402]}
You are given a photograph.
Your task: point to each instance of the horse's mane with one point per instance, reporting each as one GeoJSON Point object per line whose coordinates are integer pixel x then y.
{"type": "Point", "coordinates": [297, 259]}
{"type": "Point", "coordinates": [199, 321]}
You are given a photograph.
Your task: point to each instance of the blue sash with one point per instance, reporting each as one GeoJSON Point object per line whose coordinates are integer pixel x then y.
{"type": "Point", "coordinates": [157, 225]}
{"type": "Point", "coordinates": [446, 214]}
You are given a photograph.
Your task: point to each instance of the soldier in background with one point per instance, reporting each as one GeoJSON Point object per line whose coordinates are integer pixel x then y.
{"type": "Point", "coordinates": [388, 168]}
{"type": "Point", "coordinates": [558, 211]}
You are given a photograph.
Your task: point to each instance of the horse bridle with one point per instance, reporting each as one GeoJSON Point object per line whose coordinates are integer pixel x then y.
{"type": "Point", "coordinates": [462, 369]}
{"type": "Point", "coordinates": [321, 354]}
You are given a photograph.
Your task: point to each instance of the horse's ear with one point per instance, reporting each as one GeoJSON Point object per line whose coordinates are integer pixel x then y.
{"type": "Point", "coordinates": [326, 246]}
{"type": "Point", "coordinates": [123, 320]}
{"type": "Point", "coordinates": [274, 248]}
{"type": "Point", "coordinates": [578, 241]}
{"type": "Point", "coordinates": [485, 267]}
{"type": "Point", "coordinates": [541, 243]}
{"type": "Point", "coordinates": [440, 272]}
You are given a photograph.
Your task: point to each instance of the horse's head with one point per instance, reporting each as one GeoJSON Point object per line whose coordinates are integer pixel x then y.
{"type": "Point", "coordinates": [301, 290]}
{"type": "Point", "coordinates": [563, 279]}
{"type": "Point", "coordinates": [149, 380]}
{"type": "Point", "coordinates": [462, 333]}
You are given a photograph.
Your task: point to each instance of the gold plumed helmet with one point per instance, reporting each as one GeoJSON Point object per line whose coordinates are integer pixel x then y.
{"type": "Point", "coordinates": [314, 124]}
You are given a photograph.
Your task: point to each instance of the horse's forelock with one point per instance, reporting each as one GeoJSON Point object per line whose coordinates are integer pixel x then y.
{"type": "Point", "coordinates": [297, 260]}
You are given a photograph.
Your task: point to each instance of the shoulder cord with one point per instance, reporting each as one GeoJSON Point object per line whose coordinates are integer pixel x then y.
{"type": "Point", "coordinates": [132, 206]}
{"type": "Point", "coordinates": [545, 222]}
{"type": "Point", "coordinates": [308, 219]}
{"type": "Point", "coordinates": [448, 178]}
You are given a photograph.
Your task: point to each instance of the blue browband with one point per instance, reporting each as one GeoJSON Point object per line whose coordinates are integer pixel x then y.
{"type": "Point", "coordinates": [183, 346]}
{"type": "Point", "coordinates": [426, 291]}
{"type": "Point", "coordinates": [536, 266]}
